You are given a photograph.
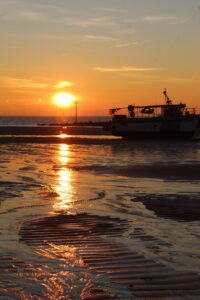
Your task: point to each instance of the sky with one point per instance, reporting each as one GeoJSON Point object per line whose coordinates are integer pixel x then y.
{"type": "Point", "coordinates": [107, 53]}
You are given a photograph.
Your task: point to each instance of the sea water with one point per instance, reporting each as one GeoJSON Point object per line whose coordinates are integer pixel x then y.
{"type": "Point", "coordinates": [142, 196]}
{"type": "Point", "coordinates": [35, 120]}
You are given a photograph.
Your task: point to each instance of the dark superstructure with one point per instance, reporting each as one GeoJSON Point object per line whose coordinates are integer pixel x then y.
{"type": "Point", "coordinates": [156, 121]}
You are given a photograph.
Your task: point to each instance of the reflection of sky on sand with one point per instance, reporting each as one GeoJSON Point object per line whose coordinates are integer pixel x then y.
{"type": "Point", "coordinates": [63, 186]}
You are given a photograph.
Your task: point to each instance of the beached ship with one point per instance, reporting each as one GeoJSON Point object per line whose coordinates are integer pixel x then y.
{"type": "Point", "coordinates": [156, 121]}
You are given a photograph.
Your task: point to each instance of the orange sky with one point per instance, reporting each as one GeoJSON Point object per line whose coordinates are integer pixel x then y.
{"type": "Point", "coordinates": [106, 53]}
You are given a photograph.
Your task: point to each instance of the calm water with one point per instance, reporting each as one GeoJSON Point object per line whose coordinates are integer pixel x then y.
{"type": "Point", "coordinates": [26, 121]}
{"type": "Point", "coordinates": [127, 184]}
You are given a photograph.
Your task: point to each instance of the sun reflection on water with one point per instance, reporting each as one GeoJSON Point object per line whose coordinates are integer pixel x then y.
{"type": "Point", "coordinates": [62, 136]}
{"type": "Point", "coordinates": [64, 187]}
{"type": "Point", "coordinates": [63, 156]}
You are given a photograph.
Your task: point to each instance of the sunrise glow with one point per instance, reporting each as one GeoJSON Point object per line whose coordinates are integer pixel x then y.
{"type": "Point", "coordinates": [112, 54]}
{"type": "Point", "coordinates": [64, 99]}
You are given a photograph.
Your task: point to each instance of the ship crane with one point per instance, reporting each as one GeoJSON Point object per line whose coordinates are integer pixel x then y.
{"type": "Point", "coordinates": [167, 100]}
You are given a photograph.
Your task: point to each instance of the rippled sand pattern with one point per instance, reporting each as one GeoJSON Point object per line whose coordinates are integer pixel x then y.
{"type": "Point", "coordinates": [94, 238]}
{"type": "Point", "coordinates": [138, 237]}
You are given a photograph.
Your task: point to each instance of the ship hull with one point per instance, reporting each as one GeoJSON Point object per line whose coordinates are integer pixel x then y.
{"type": "Point", "coordinates": [156, 128]}
{"type": "Point", "coordinates": [154, 135]}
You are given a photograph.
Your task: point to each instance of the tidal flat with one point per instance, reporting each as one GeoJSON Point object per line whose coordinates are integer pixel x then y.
{"type": "Point", "coordinates": [90, 217]}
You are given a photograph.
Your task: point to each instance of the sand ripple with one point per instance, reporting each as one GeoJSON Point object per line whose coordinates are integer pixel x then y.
{"type": "Point", "coordinates": [94, 238]}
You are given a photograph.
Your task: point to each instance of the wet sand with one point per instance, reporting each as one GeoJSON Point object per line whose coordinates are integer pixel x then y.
{"type": "Point", "coordinates": [55, 135]}
{"type": "Point", "coordinates": [171, 171]}
{"type": "Point", "coordinates": [138, 235]}
{"type": "Point", "coordinates": [176, 207]}
{"type": "Point", "coordinates": [93, 236]}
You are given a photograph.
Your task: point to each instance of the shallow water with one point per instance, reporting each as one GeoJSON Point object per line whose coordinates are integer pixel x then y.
{"type": "Point", "coordinates": [147, 190]}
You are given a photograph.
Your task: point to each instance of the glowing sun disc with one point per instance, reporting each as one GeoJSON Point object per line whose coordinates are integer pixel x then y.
{"type": "Point", "coordinates": [63, 99]}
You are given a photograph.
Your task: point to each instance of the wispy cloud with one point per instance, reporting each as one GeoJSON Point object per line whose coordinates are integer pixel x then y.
{"type": "Point", "coordinates": [123, 45]}
{"type": "Point", "coordinates": [32, 16]}
{"type": "Point", "coordinates": [19, 83]}
{"type": "Point", "coordinates": [35, 11]}
{"type": "Point", "coordinates": [164, 19]}
{"type": "Point", "coordinates": [99, 38]}
{"type": "Point", "coordinates": [51, 37]}
{"type": "Point", "coordinates": [125, 69]}
{"type": "Point", "coordinates": [29, 84]}
{"type": "Point", "coordinates": [109, 9]}
{"type": "Point", "coordinates": [104, 21]}
{"type": "Point", "coordinates": [62, 84]}
{"type": "Point", "coordinates": [25, 15]}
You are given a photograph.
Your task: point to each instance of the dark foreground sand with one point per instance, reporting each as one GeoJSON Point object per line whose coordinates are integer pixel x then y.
{"type": "Point", "coordinates": [173, 206]}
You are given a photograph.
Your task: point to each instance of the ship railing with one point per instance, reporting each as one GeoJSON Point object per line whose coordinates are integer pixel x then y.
{"type": "Point", "coordinates": [139, 114]}
{"type": "Point", "coordinates": [157, 112]}
{"type": "Point", "coordinates": [191, 111]}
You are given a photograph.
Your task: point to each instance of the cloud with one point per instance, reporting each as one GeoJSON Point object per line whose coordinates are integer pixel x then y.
{"type": "Point", "coordinates": [31, 11]}
{"type": "Point", "coordinates": [32, 16]}
{"type": "Point", "coordinates": [126, 69]}
{"type": "Point", "coordinates": [19, 83]}
{"type": "Point", "coordinates": [108, 9]}
{"type": "Point", "coordinates": [164, 19]}
{"type": "Point", "coordinates": [123, 45]}
{"type": "Point", "coordinates": [40, 11]}
{"type": "Point", "coordinates": [99, 38]}
{"type": "Point", "coordinates": [51, 37]}
{"type": "Point", "coordinates": [106, 21]}
{"type": "Point", "coordinates": [62, 84]}
{"type": "Point", "coordinates": [28, 84]}
{"type": "Point", "coordinates": [25, 15]}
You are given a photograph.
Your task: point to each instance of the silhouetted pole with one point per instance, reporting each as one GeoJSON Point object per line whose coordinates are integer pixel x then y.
{"type": "Point", "coordinates": [76, 111]}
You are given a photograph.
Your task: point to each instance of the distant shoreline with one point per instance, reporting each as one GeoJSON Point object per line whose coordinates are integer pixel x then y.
{"type": "Point", "coordinates": [87, 123]}
{"type": "Point", "coordinates": [51, 120]}
{"type": "Point", "coordinates": [53, 130]}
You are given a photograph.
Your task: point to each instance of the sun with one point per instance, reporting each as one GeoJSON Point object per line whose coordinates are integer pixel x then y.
{"type": "Point", "coordinates": [63, 99]}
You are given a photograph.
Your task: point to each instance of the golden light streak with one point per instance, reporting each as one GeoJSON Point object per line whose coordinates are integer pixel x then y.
{"type": "Point", "coordinates": [64, 153]}
{"type": "Point", "coordinates": [64, 186]}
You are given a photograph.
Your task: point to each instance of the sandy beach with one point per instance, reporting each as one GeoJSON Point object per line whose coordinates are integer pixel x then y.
{"type": "Point", "coordinates": [92, 216]}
